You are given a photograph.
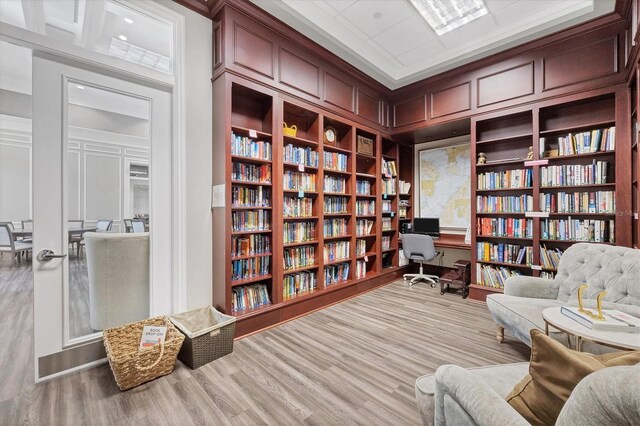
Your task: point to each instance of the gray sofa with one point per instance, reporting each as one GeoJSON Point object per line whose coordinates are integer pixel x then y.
{"type": "Point", "coordinates": [600, 266]}
{"type": "Point", "coordinates": [458, 396]}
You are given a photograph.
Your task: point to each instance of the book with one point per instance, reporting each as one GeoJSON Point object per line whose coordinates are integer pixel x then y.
{"type": "Point", "coordinates": [614, 320]}
{"type": "Point", "coordinates": [152, 335]}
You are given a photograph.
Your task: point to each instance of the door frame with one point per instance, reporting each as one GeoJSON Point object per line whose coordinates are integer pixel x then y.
{"type": "Point", "coordinates": [141, 75]}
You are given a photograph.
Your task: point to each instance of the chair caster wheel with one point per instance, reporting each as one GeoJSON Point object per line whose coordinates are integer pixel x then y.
{"type": "Point", "coordinates": [433, 286]}
{"type": "Point", "coordinates": [442, 292]}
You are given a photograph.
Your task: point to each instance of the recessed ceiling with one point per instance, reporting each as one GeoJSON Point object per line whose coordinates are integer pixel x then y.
{"type": "Point", "coordinates": [391, 42]}
{"type": "Point", "coordinates": [110, 27]}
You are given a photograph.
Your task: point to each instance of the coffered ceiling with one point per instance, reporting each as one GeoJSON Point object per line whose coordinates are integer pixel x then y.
{"type": "Point", "coordinates": [391, 42]}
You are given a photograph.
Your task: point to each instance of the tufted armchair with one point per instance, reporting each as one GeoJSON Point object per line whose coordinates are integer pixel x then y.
{"type": "Point", "coordinates": [600, 266]}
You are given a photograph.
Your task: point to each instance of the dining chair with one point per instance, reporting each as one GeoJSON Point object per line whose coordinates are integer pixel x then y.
{"type": "Point", "coordinates": [104, 225]}
{"type": "Point", "coordinates": [137, 225]}
{"type": "Point", "coordinates": [8, 244]}
{"type": "Point", "coordinates": [27, 225]}
{"type": "Point", "coordinates": [75, 239]}
{"type": "Point", "coordinates": [128, 227]}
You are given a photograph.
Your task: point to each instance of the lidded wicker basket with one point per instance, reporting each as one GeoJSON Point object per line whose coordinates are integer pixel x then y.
{"type": "Point", "coordinates": [132, 366]}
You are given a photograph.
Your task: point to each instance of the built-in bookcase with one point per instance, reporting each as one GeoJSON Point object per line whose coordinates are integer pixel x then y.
{"type": "Point", "coordinates": [389, 203]}
{"type": "Point", "coordinates": [549, 181]}
{"type": "Point", "coordinates": [301, 224]}
{"type": "Point", "coordinates": [635, 158]}
{"type": "Point", "coordinates": [251, 147]}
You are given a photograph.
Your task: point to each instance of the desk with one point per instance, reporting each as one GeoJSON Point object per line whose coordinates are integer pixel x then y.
{"type": "Point", "coordinates": [452, 241]}
{"type": "Point", "coordinates": [616, 339]}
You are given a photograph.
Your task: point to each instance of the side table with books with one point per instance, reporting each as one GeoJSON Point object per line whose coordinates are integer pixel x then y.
{"type": "Point", "coordinates": [555, 318]}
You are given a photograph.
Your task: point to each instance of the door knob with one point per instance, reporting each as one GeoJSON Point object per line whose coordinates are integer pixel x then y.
{"type": "Point", "coordinates": [46, 255]}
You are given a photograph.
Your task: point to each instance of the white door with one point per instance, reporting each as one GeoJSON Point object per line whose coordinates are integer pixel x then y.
{"type": "Point", "coordinates": [87, 129]}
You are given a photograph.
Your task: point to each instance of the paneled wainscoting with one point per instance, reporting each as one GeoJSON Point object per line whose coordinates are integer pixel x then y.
{"type": "Point", "coordinates": [352, 363]}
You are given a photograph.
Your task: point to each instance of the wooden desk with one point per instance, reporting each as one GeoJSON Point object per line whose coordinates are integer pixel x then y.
{"type": "Point", "coordinates": [452, 241]}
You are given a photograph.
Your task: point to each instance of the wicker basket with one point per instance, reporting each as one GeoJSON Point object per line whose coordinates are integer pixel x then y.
{"type": "Point", "coordinates": [208, 335]}
{"type": "Point", "coordinates": [132, 366]}
{"type": "Point", "coordinates": [290, 131]}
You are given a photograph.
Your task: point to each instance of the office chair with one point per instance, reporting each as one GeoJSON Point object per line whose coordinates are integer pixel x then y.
{"type": "Point", "coordinates": [419, 248]}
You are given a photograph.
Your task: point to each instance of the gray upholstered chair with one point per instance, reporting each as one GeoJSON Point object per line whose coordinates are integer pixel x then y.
{"type": "Point", "coordinates": [8, 244]}
{"type": "Point", "coordinates": [600, 266]}
{"type": "Point", "coordinates": [477, 396]}
{"type": "Point", "coordinates": [419, 248]}
{"type": "Point", "coordinates": [118, 268]}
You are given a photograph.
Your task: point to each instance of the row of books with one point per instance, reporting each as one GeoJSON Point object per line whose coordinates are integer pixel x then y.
{"type": "Point", "coordinates": [386, 224]}
{"type": "Point", "coordinates": [338, 250]}
{"type": "Point", "coordinates": [389, 168]}
{"type": "Point", "coordinates": [251, 172]}
{"type": "Point", "coordinates": [298, 257]}
{"type": "Point", "coordinates": [299, 181]}
{"type": "Point", "coordinates": [404, 187]}
{"type": "Point", "coordinates": [243, 146]}
{"type": "Point", "coordinates": [361, 269]}
{"type": "Point", "coordinates": [599, 231]}
{"type": "Point", "coordinates": [518, 178]}
{"type": "Point", "coordinates": [294, 285]}
{"type": "Point", "coordinates": [361, 247]}
{"type": "Point", "coordinates": [550, 258]}
{"type": "Point", "coordinates": [249, 297]}
{"type": "Point", "coordinates": [363, 187]}
{"type": "Point", "coordinates": [299, 232]}
{"type": "Point", "coordinates": [297, 207]}
{"type": "Point", "coordinates": [335, 227]}
{"type": "Point", "coordinates": [579, 202]}
{"type": "Point", "coordinates": [335, 274]}
{"type": "Point", "coordinates": [337, 204]}
{"type": "Point", "coordinates": [386, 243]}
{"type": "Point", "coordinates": [365, 207]}
{"type": "Point", "coordinates": [504, 203]}
{"type": "Point", "coordinates": [248, 268]}
{"type": "Point", "coordinates": [364, 226]}
{"type": "Point", "coordinates": [336, 161]}
{"type": "Point", "coordinates": [504, 253]}
{"type": "Point", "coordinates": [504, 227]}
{"type": "Point", "coordinates": [584, 142]}
{"type": "Point", "coordinates": [250, 197]}
{"type": "Point", "coordinates": [335, 184]}
{"type": "Point", "coordinates": [299, 155]}
{"type": "Point", "coordinates": [575, 174]}
{"type": "Point", "coordinates": [258, 220]}
{"type": "Point", "coordinates": [387, 206]}
{"type": "Point", "coordinates": [389, 186]}
{"type": "Point", "coordinates": [493, 277]}
{"type": "Point", "coordinates": [250, 244]}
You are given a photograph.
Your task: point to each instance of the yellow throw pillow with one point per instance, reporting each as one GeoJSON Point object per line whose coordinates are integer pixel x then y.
{"type": "Point", "coordinates": [554, 371]}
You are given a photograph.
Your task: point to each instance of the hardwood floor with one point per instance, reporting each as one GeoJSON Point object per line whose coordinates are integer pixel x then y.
{"type": "Point", "coordinates": [352, 363]}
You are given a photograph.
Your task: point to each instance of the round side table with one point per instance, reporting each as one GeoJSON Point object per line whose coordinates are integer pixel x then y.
{"type": "Point", "coordinates": [615, 339]}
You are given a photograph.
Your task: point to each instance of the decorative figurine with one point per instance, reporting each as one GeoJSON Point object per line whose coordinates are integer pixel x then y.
{"type": "Point", "coordinates": [482, 158]}
{"type": "Point", "coordinates": [530, 153]}
{"type": "Point", "coordinates": [599, 297]}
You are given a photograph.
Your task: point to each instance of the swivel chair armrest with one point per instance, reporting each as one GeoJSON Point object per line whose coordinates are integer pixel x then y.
{"type": "Point", "coordinates": [538, 288]}
{"type": "Point", "coordinates": [475, 400]}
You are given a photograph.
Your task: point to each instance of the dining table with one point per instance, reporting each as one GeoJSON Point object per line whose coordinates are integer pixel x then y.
{"type": "Point", "coordinates": [73, 232]}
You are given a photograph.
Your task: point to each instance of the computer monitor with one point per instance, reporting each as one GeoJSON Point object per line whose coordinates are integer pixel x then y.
{"type": "Point", "coordinates": [427, 225]}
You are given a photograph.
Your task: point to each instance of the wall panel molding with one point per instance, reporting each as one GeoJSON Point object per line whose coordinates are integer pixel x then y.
{"type": "Point", "coordinates": [451, 100]}
{"type": "Point", "coordinates": [299, 73]}
{"type": "Point", "coordinates": [583, 63]}
{"type": "Point", "coordinates": [511, 83]}
{"type": "Point", "coordinates": [253, 51]}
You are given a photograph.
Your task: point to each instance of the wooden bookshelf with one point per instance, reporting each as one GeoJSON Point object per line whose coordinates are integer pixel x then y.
{"type": "Point", "coordinates": [569, 186]}
{"type": "Point", "coordinates": [305, 187]}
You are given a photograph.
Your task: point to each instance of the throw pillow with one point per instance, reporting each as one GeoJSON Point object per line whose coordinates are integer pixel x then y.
{"type": "Point", "coordinates": [554, 371]}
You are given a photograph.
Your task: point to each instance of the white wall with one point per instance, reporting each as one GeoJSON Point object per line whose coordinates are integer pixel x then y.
{"type": "Point", "coordinates": [199, 100]}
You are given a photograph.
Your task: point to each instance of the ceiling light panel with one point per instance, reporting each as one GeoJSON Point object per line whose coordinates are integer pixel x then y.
{"type": "Point", "coordinates": [446, 15]}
